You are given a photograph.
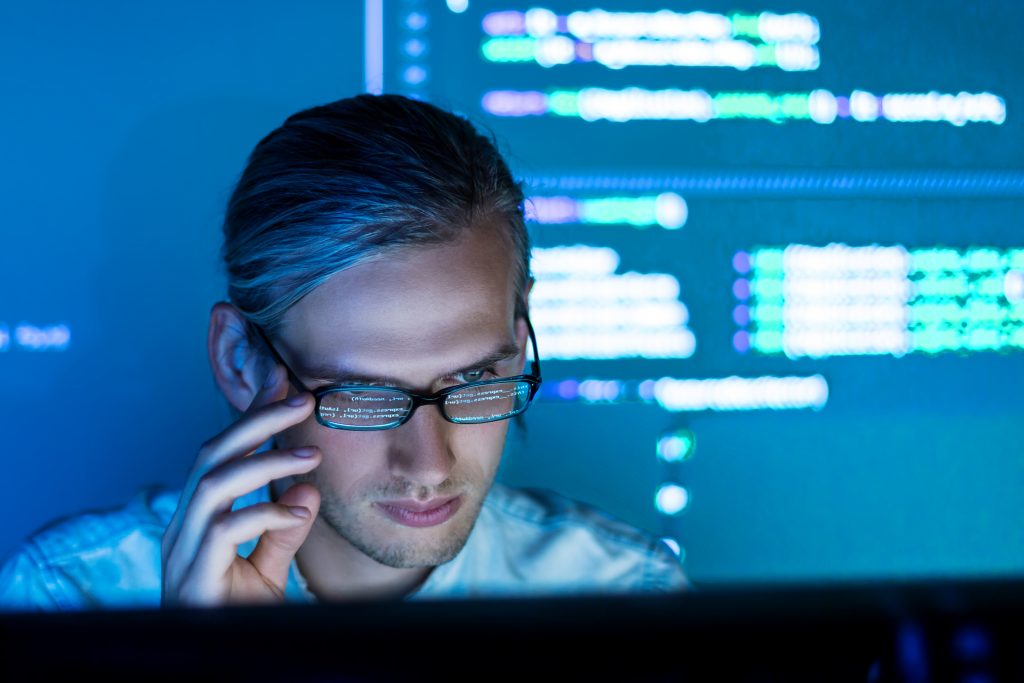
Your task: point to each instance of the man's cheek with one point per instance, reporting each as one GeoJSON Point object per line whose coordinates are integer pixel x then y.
{"type": "Point", "coordinates": [349, 481]}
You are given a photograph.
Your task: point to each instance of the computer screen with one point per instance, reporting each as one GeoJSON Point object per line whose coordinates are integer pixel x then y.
{"type": "Point", "coordinates": [780, 267]}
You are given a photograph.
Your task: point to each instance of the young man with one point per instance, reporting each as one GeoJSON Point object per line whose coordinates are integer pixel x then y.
{"type": "Point", "coordinates": [377, 260]}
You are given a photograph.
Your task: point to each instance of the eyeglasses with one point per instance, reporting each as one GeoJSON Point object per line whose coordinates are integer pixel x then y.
{"type": "Point", "coordinates": [364, 407]}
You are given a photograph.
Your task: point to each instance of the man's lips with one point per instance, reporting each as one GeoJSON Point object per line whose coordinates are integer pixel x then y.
{"type": "Point", "coordinates": [417, 506]}
{"type": "Point", "coordinates": [419, 514]}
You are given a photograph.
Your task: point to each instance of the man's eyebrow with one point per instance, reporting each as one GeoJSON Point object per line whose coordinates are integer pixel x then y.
{"type": "Point", "coordinates": [341, 374]}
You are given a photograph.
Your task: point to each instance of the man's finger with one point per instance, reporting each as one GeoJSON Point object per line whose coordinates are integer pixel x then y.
{"type": "Point", "coordinates": [219, 548]}
{"type": "Point", "coordinates": [241, 439]}
{"type": "Point", "coordinates": [267, 415]}
{"type": "Point", "coordinates": [276, 549]}
{"type": "Point", "coordinates": [220, 491]}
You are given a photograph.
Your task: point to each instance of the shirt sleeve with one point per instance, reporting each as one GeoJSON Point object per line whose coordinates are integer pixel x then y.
{"type": "Point", "coordinates": [27, 583]}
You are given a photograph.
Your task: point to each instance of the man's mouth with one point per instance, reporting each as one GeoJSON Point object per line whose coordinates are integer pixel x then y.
{"type": "Point", "coordinates": [415, 513]}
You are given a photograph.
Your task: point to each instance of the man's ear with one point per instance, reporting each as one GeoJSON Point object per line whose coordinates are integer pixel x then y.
{"type": "Point", "coordinates": [236, 366]}
{"type": "Point", "coordinates": [526, 290]}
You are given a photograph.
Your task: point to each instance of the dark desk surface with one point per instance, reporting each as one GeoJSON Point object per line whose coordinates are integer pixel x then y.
{"type": "Point", "coordinates": [956, 630]}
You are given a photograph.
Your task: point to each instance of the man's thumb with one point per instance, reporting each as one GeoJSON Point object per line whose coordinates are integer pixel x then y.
{"type": "Point", "coordinates": [276, 548]}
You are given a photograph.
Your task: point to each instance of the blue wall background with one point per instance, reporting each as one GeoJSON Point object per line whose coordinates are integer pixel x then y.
{"type": "Point", "coordinates": [123, 128]}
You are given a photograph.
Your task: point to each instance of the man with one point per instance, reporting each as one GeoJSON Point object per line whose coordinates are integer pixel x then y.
{"type": "Point", "coordinates": [376, 258]}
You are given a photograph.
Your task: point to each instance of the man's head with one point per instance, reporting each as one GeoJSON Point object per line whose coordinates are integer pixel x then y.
{"type": "Point", "coordinates": [381, 236]}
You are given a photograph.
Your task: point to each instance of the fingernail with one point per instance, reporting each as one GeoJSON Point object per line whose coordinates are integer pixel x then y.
{"type": "Point", "coordinates": [298, 511]}
{"type": "Point", "coordinates": [305, 451]}
{"type": "Point", "coordinates": [296, 400]}
{"type": "Point", "coordinates": [271, 377]}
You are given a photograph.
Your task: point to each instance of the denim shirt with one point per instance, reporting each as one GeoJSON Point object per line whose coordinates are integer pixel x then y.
{"type": "Point", "coordinates": [524, 541]}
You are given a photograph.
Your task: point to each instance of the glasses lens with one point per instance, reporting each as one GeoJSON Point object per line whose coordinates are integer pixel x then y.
{"type": "Point", "coordinates": [488, 402]}
{"type": "Point", "coordinates": [364, 409]}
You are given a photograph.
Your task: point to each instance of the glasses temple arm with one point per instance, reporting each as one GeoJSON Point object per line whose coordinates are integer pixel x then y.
{"type": "Point", "coordinates": [292, 376]}
{"type": "Point", "coordinates": [535, 362]}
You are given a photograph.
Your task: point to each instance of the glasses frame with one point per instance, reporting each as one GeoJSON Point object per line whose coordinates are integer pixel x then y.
{"type": "Point", "coordinates": [438, 398]}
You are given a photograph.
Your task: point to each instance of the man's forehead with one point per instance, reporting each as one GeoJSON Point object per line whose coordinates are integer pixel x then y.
{"type": "Point", "coordinates": [351, 368]}
{"type": "Point", "coordinates": [388, 322]}
{"type": "Point", "coordinates": [409, 313]}
{"type": "Point", "coordinates": [369, 354]}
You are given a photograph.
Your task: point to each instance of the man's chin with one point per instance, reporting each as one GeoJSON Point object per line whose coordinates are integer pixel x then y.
{"type": "Point", "coordinates": [396, 545]}
{"type": "Point", "coordinates": [426, 547]}
{"type": "Point", "coordinates": [408, 551]}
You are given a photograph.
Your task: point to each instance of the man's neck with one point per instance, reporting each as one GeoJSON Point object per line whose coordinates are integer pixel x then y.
{"type": "Point", "coordinates": [336, 570]}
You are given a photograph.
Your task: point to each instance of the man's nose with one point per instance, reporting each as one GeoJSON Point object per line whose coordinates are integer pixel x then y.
{"type": "Point", "coordinates": [420, 450]}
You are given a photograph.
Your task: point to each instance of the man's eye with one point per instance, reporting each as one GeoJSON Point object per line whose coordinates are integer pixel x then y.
{"type": "Point", "coordinates": [475, 375]}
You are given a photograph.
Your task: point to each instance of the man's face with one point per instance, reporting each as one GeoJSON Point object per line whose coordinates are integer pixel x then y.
{"type": "Point", "coordinates": [415, 315]}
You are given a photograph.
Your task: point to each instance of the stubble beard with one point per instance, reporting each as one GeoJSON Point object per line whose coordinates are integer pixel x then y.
{"type": "Point", "coordinates": [362, 529]}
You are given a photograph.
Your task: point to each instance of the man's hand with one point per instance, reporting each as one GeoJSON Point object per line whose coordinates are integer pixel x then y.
{"type": "Point", "coordinates": [200, 560]}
